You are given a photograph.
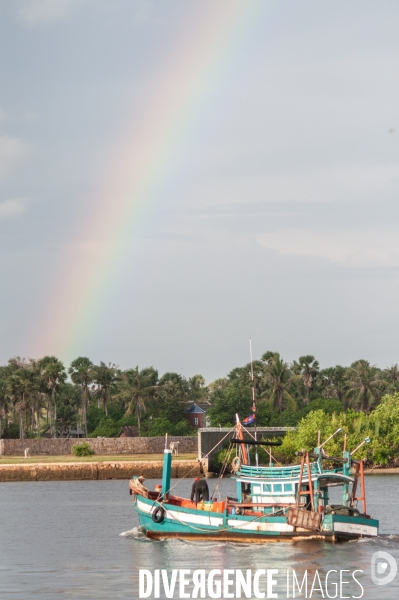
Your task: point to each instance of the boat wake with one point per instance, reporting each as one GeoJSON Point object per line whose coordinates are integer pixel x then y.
{"type": "Point", "coordinates": [136, 532]}
{"type": "Point", "coordinates": [202, 544]}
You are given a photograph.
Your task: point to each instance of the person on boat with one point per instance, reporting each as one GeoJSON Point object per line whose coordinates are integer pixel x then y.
{"type": "Point", "coordinates": [200, 490]}
{"type": "Point", "coordinates": [139, 483]}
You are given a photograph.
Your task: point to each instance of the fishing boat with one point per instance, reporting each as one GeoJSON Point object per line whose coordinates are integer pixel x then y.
{"type": "Point", "coordinates": [272, 503]}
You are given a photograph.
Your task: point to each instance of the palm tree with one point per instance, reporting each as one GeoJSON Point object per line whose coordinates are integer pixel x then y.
{"type": "Point", "coordinates": [197, 389]}
{"type": "Point", "coordinates": [365, 385]}
{"type": "Point", "coordinates": [391, 376]}
{"type": "Point", "coordinates": [53, 374]}
{"type": "Point", "coordinates": [134, 389]}
{"type": "Point", "coordinates": [278, 375]}
{"type": "Point", "coordinates": [333, 383]}
{"type": "Point", "coordinates": [3, 398]}
{"type": "Point", "coordinates": [105, 377]}
{"type": "Point", "coordinates": [308, 367]}
{"type": "Point", "coordinates": [23, 384]}
{"type": "Point", "coordinates": [81, 372]}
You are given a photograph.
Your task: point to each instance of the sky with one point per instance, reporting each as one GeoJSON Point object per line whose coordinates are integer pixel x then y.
{"type": "Point", "coordinates": [178, 177]}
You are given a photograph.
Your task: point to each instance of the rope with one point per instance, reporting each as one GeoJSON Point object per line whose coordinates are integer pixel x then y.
{"type": "Point", "coordinates": [224, 467]}
{"type": "Point", "coordinates": [207, 530]}
{"type": "Point", "coordinates": [206, 456]}
{"type": "Point", "coordinates": [161, 503]}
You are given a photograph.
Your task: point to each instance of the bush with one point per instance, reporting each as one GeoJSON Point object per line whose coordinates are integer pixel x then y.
{"type": "Point", "coordinates": [220, 458]}
{"type": "Point", "coordinates": [82, 449]}
{"type": "Point", "coordinates": [10, 432]}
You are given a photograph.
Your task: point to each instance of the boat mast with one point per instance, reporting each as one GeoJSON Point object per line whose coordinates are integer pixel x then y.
{"type": "Point", "coordinates": [253, 399]}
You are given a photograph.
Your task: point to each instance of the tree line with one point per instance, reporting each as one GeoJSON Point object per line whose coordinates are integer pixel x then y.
{"type": "Point", "coordinates": [40, 397]}
{"type": "Point", "coordinates": [285, 392]}
{"type": "Point", "coordinates": [43, 396]}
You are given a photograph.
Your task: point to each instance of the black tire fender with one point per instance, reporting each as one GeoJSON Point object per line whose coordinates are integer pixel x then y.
{"type": "Point", "coordinates": [158, 514]}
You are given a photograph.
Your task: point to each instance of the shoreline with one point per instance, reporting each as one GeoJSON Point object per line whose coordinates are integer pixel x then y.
{"type": "Point", "coordinates": [379, 471]}
{"type": "Point", "coordinates": [113, 468]}
{"type": "Point", "coordinates": [94, 470]}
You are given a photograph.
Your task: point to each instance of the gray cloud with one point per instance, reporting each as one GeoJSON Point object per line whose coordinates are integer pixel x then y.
{"type": "Point", "coordinates": [42, 12]}
{"type": "Point", "coordinates": [273, 209]}
{"type": "Point", "coordinates": [12, 152]}
{"type": "Point", "coordinates": [13, 207]}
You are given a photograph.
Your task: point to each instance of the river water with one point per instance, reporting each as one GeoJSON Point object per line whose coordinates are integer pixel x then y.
{"type": "Point", "coordinates": [80, 540]}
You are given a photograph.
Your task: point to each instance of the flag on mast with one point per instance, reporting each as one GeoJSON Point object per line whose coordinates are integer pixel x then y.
{"type": "Point", "coordinates": [250, 419]}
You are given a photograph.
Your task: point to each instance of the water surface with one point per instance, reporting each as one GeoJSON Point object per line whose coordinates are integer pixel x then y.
{"type": "Point", "coordinates": [79, 539]}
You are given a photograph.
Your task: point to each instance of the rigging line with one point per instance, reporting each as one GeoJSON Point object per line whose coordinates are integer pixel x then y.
{"type": "Point", "coordinates": [267, 451]}
{"type": "Point", "coordinates": [224, 467]}
{"type": "Point", "coordinates": [206, 456]}
{"type": "Point", "coordinates": [261, 445]}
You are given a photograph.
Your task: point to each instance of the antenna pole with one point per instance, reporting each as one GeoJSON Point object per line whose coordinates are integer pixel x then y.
{"type": "Point", "coordinates": [253, 398]}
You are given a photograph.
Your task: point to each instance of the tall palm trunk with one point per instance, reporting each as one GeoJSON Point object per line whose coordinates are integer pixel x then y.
{"type": "Point", "coordinates": [105, 406]}
{"type": "Point", "coordinates": [55, 410]}
{"type": "Point", "coordinates": [138, 413]}
{"type": "Point", "coordinates": [280, 400]}
{"type": "Point", "coordinates": [84, 410]}
{"type": "Point", "coordinates": [38, 417]}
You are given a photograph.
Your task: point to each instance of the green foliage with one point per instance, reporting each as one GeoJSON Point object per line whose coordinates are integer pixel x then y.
{"type": "Point", "coordinates": [94, 416]}
{"type": "Point", "coordinates": [363, 399]}
{"type": "Point", "coordinates": [328, 405]}
{"type": "Point", "coordinates": [10, 432]}
{"type": "Point", "coordinates": [66, 419]}
{"type": "Point", "coordinates": [230, 396]}
{"type": "Point", "coordinates": [82, 449]}
{"type": "Point", "coordinates": [381, 426]}
{"type": "Point", "coordinates": [162, 425]}
{"type": "Point", "coordinates": [107, 427]}
{"type": "Point", "coordinates": [219, 459]}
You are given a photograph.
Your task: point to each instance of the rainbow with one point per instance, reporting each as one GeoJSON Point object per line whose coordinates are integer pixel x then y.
{"type": "Point", "coordinates": [132, 182]}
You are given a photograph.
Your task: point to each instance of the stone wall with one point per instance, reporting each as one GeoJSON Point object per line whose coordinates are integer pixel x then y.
{"type": "Point", "coordinates": [96, 470]}
{"type": "Point", "coordinates": [101, 446]}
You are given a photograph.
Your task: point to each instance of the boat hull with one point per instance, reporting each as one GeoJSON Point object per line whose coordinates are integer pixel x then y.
{"type": "Point", "coordinates": [192, 524]}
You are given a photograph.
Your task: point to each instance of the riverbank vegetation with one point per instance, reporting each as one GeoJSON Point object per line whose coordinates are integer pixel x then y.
{"type": "Point", "coordinates": [44, 397]}
{"type": "Point", "coordinates": [380, 425]}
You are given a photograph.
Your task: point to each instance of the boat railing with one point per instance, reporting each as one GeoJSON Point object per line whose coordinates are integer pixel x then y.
{"type": "Point", "coordinates": [291, 471]}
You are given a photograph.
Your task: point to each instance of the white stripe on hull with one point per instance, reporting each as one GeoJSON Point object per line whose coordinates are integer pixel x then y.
{"type": "Point", "coordinates": [256, 526]}
{"type": "Point", "coordinates": [243, 525]}
{"type": "Point", "coordinates": [183, 517]}
{"type": "Point", "coordinates": [355, 528]}
{"type": "Point", "coordinates": [197, 519]}
{"type": "Point", "coordinates": [206, 519]}
{"type": "Point", "coordinates": [145, 507]}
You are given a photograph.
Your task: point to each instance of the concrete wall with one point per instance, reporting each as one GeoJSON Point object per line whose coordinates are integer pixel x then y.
{"type": "Point", "coordinates": [62, 446]}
